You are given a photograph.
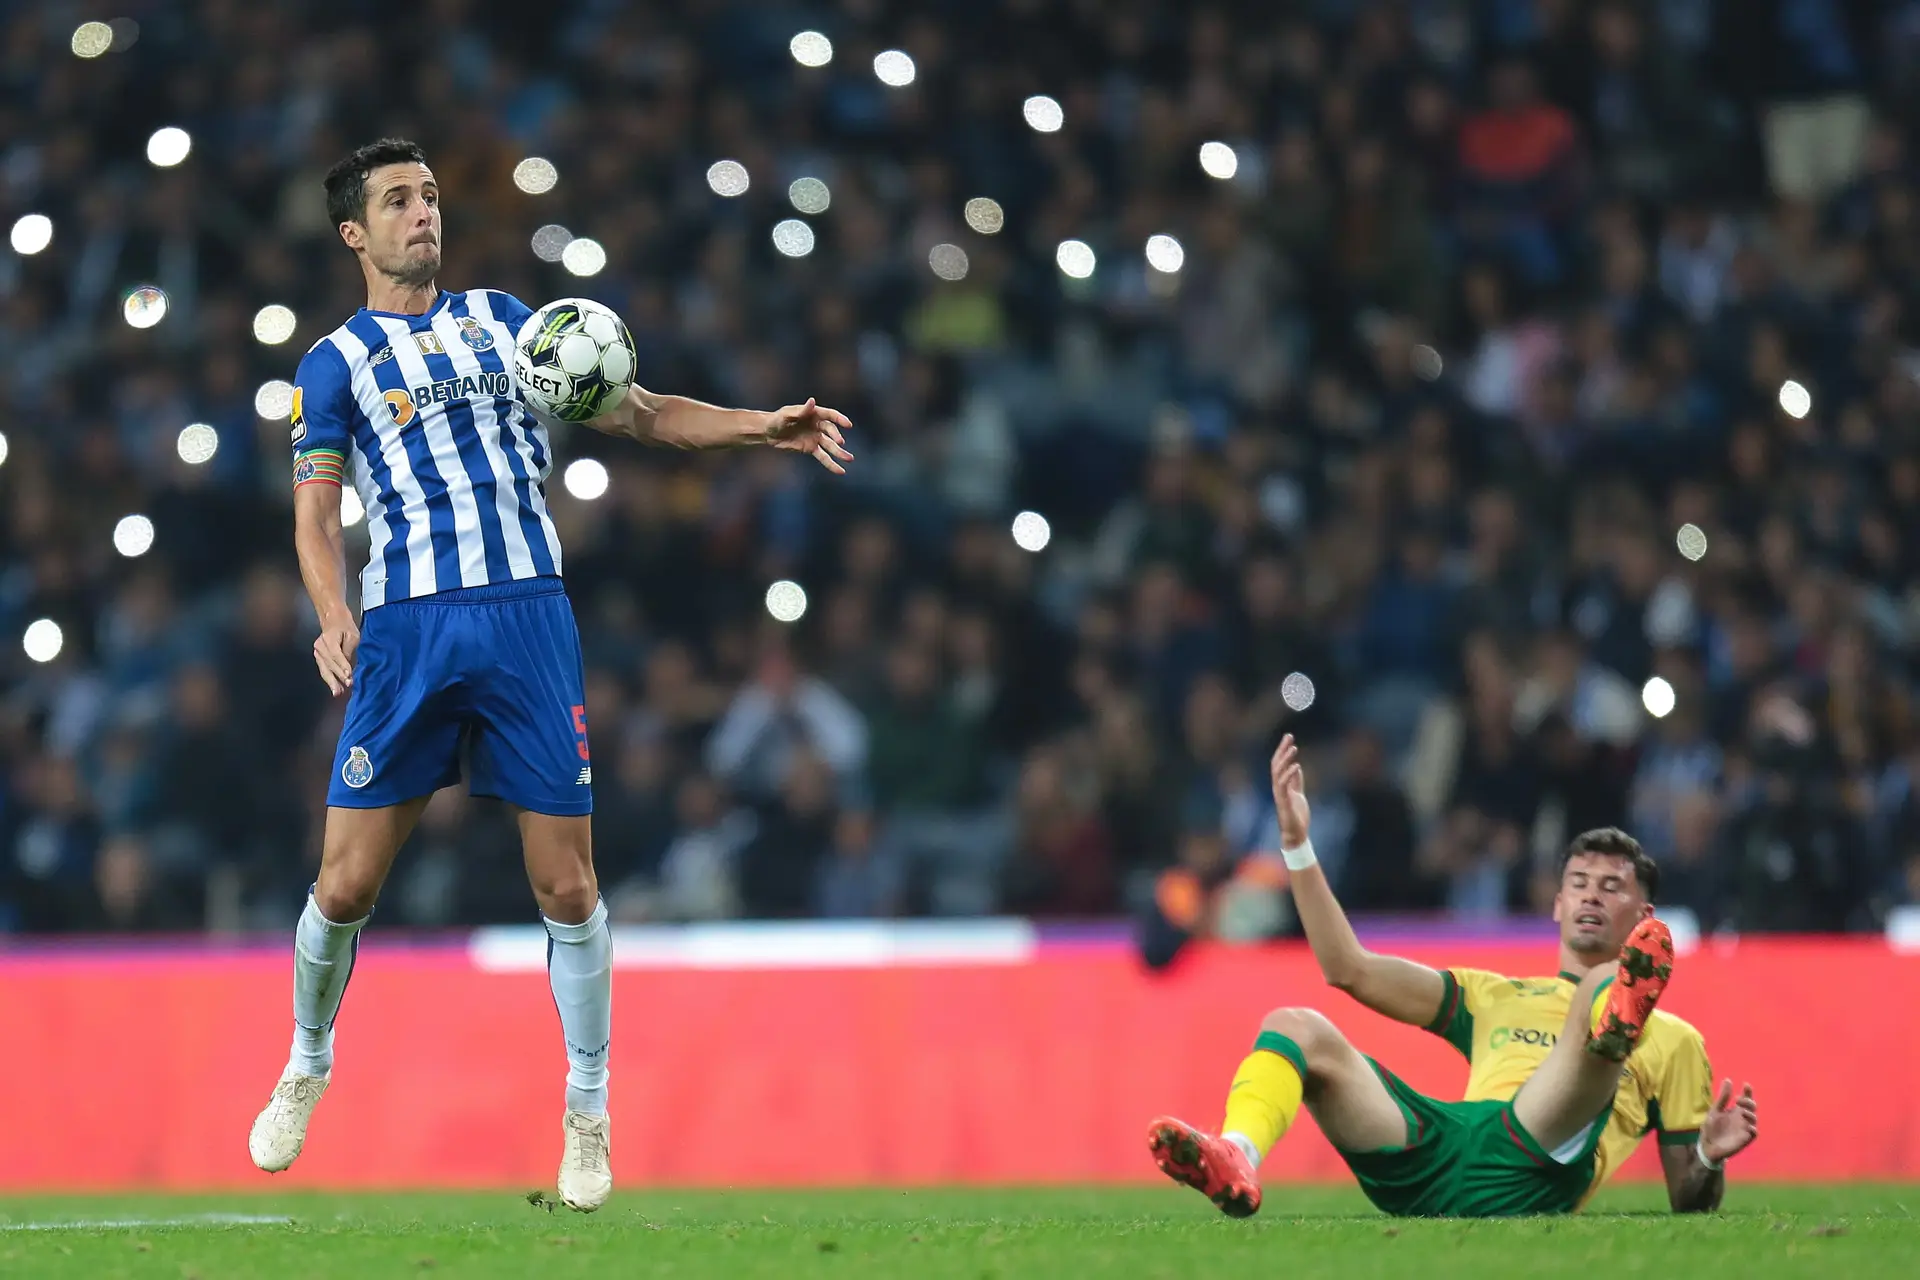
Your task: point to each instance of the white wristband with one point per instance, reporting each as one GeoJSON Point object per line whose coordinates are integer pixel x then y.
{"type": "Point", "coordinates": [1299, 859]}
{"type": "Point", "coordinates": [1700, 1154]}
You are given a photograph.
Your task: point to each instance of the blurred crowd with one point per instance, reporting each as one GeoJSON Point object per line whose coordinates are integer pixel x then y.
{"type": "Point", "coordinates": [1532, 424]}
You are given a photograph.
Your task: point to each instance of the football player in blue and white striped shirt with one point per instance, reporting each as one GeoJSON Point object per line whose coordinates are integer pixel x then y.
{"type": "Point", "coordinates": [466, 647]}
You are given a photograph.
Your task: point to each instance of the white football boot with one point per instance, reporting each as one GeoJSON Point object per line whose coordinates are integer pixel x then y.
{"type": "Point", "coordinates": [586, 1162]}
{"type": "Point", "coordinates": [280, 1130]}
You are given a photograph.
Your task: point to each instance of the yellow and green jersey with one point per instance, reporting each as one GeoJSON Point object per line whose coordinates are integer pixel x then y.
{"type": "Point", "coordinates": [1505, 1026]}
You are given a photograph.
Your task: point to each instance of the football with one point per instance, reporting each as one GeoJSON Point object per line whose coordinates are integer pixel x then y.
{"type": "Point", "coordinates": [574, 359]}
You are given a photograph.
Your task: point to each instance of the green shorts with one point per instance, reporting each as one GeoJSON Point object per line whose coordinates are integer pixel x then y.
{"type": "Point", "coordinates": [1468, 1160]}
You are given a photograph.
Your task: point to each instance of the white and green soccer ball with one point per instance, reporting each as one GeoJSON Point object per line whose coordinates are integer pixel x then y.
{"type": "Point", "coordinates": [574, 359]}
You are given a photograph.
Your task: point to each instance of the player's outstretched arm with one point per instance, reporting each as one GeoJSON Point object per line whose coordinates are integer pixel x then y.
{"type": "Point", "coordinates": [322, 549]}
{"type": "Point", "coordinates": [1696, 1174]}
{"type": "Point", "coordinates": [1400, 989]}
{"type": "Point", "coordinates": [680, 423]}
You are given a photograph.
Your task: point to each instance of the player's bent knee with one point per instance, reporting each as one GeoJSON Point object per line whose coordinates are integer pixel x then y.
{"type": "Point", "coordinates": [567, 898]}
{"type": "Point", "coordinates": [350, 878]}
{"type": "Point", "coordinates": [343, 897]}
{"type": "Point", "coordinates": [1312, 1030]}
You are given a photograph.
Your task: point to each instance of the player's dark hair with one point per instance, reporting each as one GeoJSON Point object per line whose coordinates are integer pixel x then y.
{"type": "Point", "coordinates": [347, 180]}
{"type": "Point", "coordinates": [1612, 842]}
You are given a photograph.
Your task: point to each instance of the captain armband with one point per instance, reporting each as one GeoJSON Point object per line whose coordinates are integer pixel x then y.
{"type": "Point", "coordinates": [319, 466]}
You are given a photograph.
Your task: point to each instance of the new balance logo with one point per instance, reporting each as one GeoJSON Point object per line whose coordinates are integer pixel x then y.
{"type": "Point", "coordinates": [586, 777]}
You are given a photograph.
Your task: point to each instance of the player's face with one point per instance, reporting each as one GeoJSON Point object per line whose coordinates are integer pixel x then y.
{"type": "Point", "coordinates": [402, 226]}
{"type": "Point", "coordinates": [1599, 902]}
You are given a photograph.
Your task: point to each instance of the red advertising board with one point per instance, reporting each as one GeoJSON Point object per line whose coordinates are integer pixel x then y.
{"type": "Point", "coordinates": [138, 1070]}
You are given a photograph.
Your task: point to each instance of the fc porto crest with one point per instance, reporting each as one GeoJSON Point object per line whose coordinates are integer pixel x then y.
{"type": "Point", "coordinates": [475, 334]}
{"type": "Point", "coordinates": [303, 470]}
{"type": "Point", "coordinates": [357, 772]}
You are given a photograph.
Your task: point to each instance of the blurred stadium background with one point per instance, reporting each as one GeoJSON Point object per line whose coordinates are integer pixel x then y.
{"type": "Point", "coordinates": [1518, 399]}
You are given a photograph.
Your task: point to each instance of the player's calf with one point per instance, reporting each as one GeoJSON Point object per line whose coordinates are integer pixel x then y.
{"type": "Point", "coordinates": [1268, 1090]}
{"type": "Point", "coordinates": [1271, 1082]}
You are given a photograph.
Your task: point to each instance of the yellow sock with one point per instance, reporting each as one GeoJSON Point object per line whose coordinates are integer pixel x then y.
{"type": "Point", "coordinates": [1598, 1008]}
{"type": "Point", "coordinates": [1266, 1091]}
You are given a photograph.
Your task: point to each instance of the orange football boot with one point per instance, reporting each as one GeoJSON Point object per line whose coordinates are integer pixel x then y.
{"type": "Point", "coordinates": [1646, 966]}
{"type": "Point", "coordinates": [1212, 1166]}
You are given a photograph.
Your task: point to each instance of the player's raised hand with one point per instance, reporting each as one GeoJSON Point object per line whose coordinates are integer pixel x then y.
{"type": "Point", "coordinates": [812, 429]}
{"type": "Point", "coordinates": [333, 653]}
{"type": "Point", "coordinates": [1731, 1125]}
{"type": "Point", "coordinates": [1290, 793]}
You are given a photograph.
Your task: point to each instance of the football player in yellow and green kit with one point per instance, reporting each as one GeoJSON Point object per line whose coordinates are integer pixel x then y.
{"type": "Point", "coordinates": [1566, 1075]}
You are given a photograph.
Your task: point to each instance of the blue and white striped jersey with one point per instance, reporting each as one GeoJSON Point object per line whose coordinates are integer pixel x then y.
{"type": "Point", "coordinates": [449, 463]}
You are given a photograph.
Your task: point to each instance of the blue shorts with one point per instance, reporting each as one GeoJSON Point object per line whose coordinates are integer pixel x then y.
{"type": "Point", "coordinates": [489, 675]}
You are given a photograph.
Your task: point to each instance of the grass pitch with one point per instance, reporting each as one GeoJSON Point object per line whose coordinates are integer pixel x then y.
{"type": "Point", "coordinates": [1852, 1232]}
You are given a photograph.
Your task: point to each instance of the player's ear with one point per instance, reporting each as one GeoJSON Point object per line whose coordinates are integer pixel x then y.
{"type": "Point", "coordinates": [354, 234]}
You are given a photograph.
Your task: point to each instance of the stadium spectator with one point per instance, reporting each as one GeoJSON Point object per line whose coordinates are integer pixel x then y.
{"type": "Point", "coordinates": [1535, 364]}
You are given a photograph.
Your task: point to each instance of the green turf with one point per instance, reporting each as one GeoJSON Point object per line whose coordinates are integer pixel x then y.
{"type": "Point", "coordinates": [1853, 1233]}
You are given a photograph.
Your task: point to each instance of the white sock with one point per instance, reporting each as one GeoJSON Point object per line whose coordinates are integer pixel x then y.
{"type": "Point", "coordinates": [580, 970]}
{"type": "Point", "coordinates": [1246, 1146]}
{"type": "Point", "coordinates": [323, 955]}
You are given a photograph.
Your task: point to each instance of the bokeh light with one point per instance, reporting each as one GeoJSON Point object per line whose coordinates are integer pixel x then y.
{"type": "Point", "coordinates": [1297, 691]}
{"type": "Point", "coordinates": [1074, 258]}
{"type": "Point", "coordinates": [728, 178]}
{"type": "Point", "coordinates": [3, 448]}
{"type": "Point", "coordinates": [793, 237]}
{"type": "Point", "coordinates": [1031, 532]}
{"type": "Point", "coordinates": [809, 195]}
{"type": "Point", "coordinates": [198, 442]}
{"type": "Point", "coordinates": [1164, 253]}
{"type": "Point", "coordinates": [949, 261]}
{"type": "Point", "coordinates": [583, 257]}
{"type": "Point", "coordinates": [895, 68]}
{"type": "Point", "coordinates": [1218, 160]}
{"type": "Point", "coordinates": [91, 39]}
{"type": "Point", "coordinates": [43, 640]}
{"type": "Point", "coordinates": [274, 400]}
{"type": "Point", "coordinates": [145, 306]}
{"type": "Point", "coordinates": [787, 601]}
{"type": "Point", "coordinates": [811, 49]}
{"type": "Point", "coordinates": [133, 536]}
{"type": "Point", "coordinates": [168, 147]}
{"type": "Point", "coordinates": [1426, 362]}
{"type": "Point", "coordinates": [586, 478]}
{"type": "Point", "coordinates": [551, 241]}
{"type": "Point", "coordinates": [1658, 698]}
{"type": "Point", "coordinates": [352, 510]}
{"type": "Point", "coordinates": [535, 175]}
{"type": "Point", "coordinates": [273, 324]}
{"type": "Point", "coordinates": [1043, 114]}
{"type": "Point", "coordinates": [985, 215]}
{"type": "Point", "coordinates": [1795, 400]}
{"type": "Point", "coordinates": [32, 232]}
{"type": "Point", "coordinates": [1691, 540]}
